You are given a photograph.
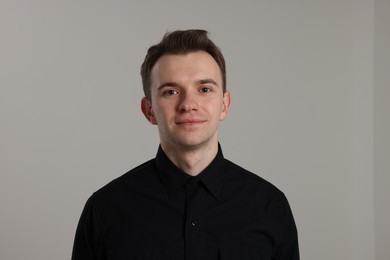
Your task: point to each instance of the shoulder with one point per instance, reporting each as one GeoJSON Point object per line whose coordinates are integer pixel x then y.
{"type": "Point", "coordinates": [240, 174]}
{"type": "Point", "coordinates": [139, 176]}
{"type": "Point", "coordinates": [253, 187]}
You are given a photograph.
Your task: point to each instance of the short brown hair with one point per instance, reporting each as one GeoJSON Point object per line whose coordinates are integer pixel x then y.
{"type": "Point", "coordinates": [180, 42]}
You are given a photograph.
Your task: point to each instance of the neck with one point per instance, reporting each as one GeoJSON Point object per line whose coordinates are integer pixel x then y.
{"type": "Point", "coordinates": [191, 160]}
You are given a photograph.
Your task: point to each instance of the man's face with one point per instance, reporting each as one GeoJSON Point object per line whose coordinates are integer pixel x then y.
{"type": "Point", "coordinates": [187, 100]}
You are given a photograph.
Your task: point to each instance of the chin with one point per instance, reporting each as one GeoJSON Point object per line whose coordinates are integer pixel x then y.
{"type": "Point", "coordinates": [193, 143]}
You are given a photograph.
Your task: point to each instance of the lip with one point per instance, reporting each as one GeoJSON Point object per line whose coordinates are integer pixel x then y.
{"type": "Point", "coordinates": [189, 121]}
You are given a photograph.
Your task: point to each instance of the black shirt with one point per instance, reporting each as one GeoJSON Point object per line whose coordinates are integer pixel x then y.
{"type": "Point", "coordinates": [158, 212]}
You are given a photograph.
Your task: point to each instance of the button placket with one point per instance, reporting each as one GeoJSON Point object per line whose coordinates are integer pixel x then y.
{"type": "Point", "coordinates": [191, 189]}
{"type": "Point", "coordinates": [191, 222]}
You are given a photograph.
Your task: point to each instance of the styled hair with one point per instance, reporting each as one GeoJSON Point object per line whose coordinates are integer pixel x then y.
{"type": "Point", "coordinates": [180, 42]}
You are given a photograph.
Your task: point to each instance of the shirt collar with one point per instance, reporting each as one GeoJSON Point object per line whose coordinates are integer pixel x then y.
{"type": "Point", "coordinates": [174, 178]}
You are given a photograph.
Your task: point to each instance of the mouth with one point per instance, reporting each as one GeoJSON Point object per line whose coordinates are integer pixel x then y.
{"type": "Point", "coordinates": [190, 122]}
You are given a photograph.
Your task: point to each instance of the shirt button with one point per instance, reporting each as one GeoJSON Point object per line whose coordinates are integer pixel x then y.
{"type": "Point", "coordinates": [194, 223]}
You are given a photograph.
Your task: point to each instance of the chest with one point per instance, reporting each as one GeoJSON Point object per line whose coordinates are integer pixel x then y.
{"type": "Point", "coordinates": [192, 224]}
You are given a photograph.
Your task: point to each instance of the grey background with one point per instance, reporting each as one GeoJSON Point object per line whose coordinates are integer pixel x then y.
{"type": "Point", "coordinates": [310, 113]}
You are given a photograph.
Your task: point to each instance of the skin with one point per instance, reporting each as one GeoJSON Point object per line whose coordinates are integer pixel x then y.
{"type": "Point", "coordinates": [187, 104]}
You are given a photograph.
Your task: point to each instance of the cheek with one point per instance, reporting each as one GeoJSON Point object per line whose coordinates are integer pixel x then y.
{"type": "Point", "coordinates": [161, 111]}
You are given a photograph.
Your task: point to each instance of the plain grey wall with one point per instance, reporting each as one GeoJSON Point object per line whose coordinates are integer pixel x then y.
{"type": "Point", "coordinates": [382, 128]}
{"type": "Point", "coordinates": [307, 82]}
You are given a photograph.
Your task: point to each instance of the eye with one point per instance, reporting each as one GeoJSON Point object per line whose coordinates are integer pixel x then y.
{"type": "Point", "coordinates": [170, 92]}
{"type": "Point", "coordinates": [205, 90]}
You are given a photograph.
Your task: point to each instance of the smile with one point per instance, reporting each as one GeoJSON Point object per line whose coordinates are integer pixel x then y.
{"type": "Point", "coordinates": [190, 122]}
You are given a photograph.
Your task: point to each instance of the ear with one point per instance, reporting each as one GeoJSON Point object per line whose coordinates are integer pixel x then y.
{"type": "Point", "coordinates": [225, 105]}
{"type": "Point", "coordinates": [147, 110]}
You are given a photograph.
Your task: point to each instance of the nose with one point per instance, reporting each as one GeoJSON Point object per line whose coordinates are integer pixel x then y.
{"type": "Point", "coordinates": [188, 103]}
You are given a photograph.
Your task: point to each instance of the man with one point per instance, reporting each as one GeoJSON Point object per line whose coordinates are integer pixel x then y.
{"type": "Point", "coordinates": [188, 202]}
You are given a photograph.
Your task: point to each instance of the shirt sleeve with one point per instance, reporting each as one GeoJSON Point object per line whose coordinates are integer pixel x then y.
{"type": "Point", "coordinates": [87, 236]}
{"type": "Point", "coordinates": [288, 248]}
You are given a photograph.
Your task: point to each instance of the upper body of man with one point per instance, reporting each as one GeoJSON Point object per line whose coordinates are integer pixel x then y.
{"type": "Point", "coordinates": [189, 202]}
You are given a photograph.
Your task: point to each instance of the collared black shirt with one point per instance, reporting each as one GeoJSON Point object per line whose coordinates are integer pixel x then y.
{"type": "Point", "coordinates": [158, 212]}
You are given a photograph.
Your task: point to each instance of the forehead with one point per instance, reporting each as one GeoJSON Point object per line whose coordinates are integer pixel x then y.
{"type": "Point", "coordinates": [193, 65]}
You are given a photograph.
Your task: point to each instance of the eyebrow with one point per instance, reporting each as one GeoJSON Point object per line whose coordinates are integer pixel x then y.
{"type": "Point", "coordinates": [175, 84]}
{"type": "Point", "coordinates": [167, 84]}
{"type": "Point", "coordinates": [208, 81]}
